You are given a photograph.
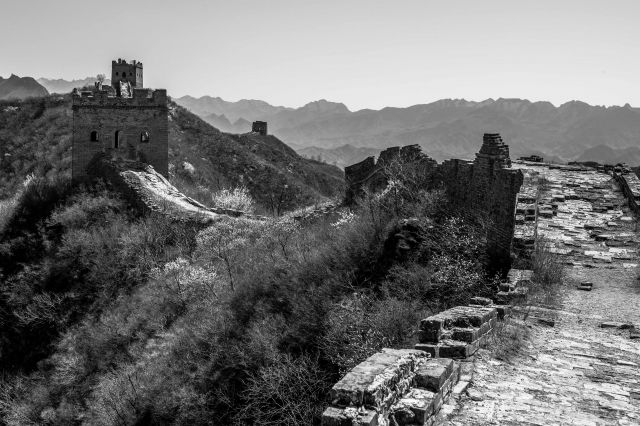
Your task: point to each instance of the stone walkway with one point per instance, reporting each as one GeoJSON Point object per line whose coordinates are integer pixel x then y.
{"type": "Point", "coordinates": [574, 373]}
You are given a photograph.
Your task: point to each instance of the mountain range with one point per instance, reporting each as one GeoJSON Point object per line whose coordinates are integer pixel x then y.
{"type": "Point", "coordinates": [448, 128]}
{"type": "Point", "coordinates": [16, 87]}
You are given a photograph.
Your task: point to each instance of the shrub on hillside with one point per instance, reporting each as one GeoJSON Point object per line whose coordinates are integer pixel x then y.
{"type": "Point", "coordinates": [285, 393]}
{"type": "Point", "coordinates": [235, 199]}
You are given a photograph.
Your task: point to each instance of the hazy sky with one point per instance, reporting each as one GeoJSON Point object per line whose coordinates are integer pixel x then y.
{"type": "Point", "coordinates": [365, 53]}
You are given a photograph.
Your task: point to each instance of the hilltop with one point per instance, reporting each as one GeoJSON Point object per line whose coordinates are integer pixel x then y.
{"type": "Point", "coordinates": [446, 128]}
{"type": "Point", "coordinates": [35, 137]}
{"type": "Point", "coordinates": [16, 87]}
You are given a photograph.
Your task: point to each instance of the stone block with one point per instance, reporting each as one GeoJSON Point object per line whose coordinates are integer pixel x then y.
{"type": "Point", "coordinates": [466, 334]}
{"type": "Point", "coordinates": [416, 407]}
{"type": "Point", "coordinates": [456, 350]}
{"type": "Point", "coordinates": [430, 348]}
{"type": "Point", "coordinates": [502, 311]}
{"type": "Point", "coordinates": [433, 374]}
{"type": "Point", "coordinates": [508, 286]}
{"type": "Point", "coordinates": [481, 301]}
{"type": "Point", "coordinates": [429, 336]}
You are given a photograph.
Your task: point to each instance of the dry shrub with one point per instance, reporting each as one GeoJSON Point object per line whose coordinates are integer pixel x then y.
{"type": "Point", "coordinates": [507, 339]}
{"type": "Point", "coordinates": [285, 393]}
{"type": "Point", "coordinates": [360, 326]}
{"type": "Point", "coordinates": [548, 274]}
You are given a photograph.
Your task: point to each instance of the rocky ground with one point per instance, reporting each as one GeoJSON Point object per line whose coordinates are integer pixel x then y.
{"type": "Point", "coordinates": [572, 370]}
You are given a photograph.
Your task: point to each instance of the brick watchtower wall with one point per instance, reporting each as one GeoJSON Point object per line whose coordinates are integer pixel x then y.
{"type": "Point", "coordinates": [134, 128]}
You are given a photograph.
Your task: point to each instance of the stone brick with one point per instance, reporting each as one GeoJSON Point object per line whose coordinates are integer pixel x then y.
{"type": "Point", "coordinates": [466, 334]}
{"type": "Point", "coordinates": [351, 416]}
{"type": "Point", "coordinates": [421, 404]}
{"type": "Point", "coordinates": [481, 301]}
{"type": "Point", "coordinates": [429, 336]}
{"type": "Point", "coordinates": [433, 374]}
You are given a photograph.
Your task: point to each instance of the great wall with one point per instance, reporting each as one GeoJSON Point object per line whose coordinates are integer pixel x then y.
{"type": "Point", "coordinates": [581, 365]}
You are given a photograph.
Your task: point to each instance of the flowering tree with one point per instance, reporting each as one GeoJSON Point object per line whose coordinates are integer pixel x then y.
{"type": "Point", "coordinates": [225, 241]}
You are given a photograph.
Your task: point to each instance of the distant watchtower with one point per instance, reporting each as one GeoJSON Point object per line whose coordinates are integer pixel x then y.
{"type": "Point", "coordinates": [123, 71]}
{"type": "Point", "coordinates": [259, 127]}
{"type": "Point", "coordinates": [132, 125]}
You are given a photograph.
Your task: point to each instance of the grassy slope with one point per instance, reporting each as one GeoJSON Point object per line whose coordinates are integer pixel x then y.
{"type": "Point", "coordinates": [35, 137]}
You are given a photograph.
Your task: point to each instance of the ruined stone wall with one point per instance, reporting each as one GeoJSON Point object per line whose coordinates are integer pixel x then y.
{"type": "Point", "coordinates": [486, 187]}
{"type": "Point", "coordinates": [369, 175]}
{"type": "Point", "coordinates": [140, 122]}
{"type": "Point", "coordinates": [630, 185]}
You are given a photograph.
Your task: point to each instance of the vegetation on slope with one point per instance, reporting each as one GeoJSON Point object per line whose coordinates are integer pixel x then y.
{"type": "Point", "coordinates": [35, 138]}
{"type": "Point", "coordinates": [121, 319]}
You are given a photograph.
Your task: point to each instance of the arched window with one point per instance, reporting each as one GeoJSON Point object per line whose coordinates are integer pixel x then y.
{"type": "Point", "coordinates": [119, 138]}
{"type": "Point", "coordinates": [94, 136]}
{"type": "Point", "coordinates": [144, 136]}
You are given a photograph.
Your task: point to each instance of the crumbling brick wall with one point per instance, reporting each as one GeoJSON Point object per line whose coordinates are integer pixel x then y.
{"type": "Point", "coordinates": [369, 175]}
{"type": "Point", "coordinates": [486, 187]}
{"type": "Point", "coordinates": [630, 185]}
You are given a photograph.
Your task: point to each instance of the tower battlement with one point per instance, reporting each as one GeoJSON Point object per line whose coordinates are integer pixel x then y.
{"type": "Point", "coordinates": [141, 97]}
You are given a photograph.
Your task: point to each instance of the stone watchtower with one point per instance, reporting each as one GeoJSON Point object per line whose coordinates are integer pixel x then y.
{"type": "Point", "coordinates": [132, 125]}
{"type": "Point", "coordinates": [122, 71]}
{"type": "Point", "coordinates": [259, 127]}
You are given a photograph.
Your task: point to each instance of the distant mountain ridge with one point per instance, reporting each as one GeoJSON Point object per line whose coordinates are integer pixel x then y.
{"type": "Point", "coordinates": [446, 128]}
{"type": "Point", "coordinates": [16, 87]}
{"type": "Point", "coordinates": [63, 86]}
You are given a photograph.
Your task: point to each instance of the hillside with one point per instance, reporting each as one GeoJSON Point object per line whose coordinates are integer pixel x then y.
{"type": "Point", "coordinates": [62, 86]}
{"type": "Point", "coordinates": [16, 87]}
{"type": "Point", "coordinates": [35, 137]}
{"type": "Point", "coordinates": [448, 128]}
